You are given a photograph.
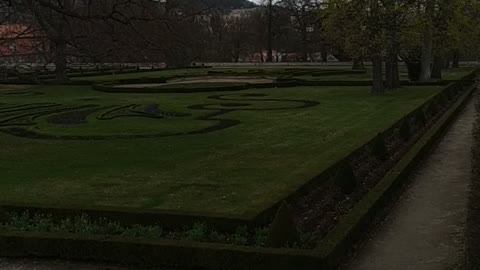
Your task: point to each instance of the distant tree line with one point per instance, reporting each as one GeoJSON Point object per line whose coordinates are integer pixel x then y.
{"type": "Point", "coordinates": [427, 34]}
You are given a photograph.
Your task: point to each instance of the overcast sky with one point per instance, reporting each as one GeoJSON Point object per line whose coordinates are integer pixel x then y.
{"type": "Point", "coordinates": [259, 1]}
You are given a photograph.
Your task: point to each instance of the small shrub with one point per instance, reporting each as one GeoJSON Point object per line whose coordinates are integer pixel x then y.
{"type": "Point", "coordinates": [217, 237]}
{"type": "Point", "coordinates": [282, 230]}
{"type": "Point", "coordinates": [260, 237]}
{"type": "Point", "coordinates": [109, 227]}
{"type": "Point", "coordinates": [198, 232]}
{"type": "Point", "coordinates": [240, 237]}
{"type": "Point", "coordinates": [345, 178]}
{"type": "Point", "coordinates": [420, 117]}
{"type": "Point", "coordinates": [41, 223]}
{"type": "Point", "coordinates": [379, 149]}
{"type": "Point", "coordinates": [20, 221]}
{"type": "Point", "coordinates": [141, 231]}
{"type": "Point", "coordinates": [405, 130]}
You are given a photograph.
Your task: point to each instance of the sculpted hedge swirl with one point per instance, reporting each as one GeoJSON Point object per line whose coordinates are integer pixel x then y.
{"type": "Point", "coordinates": [24, 120]}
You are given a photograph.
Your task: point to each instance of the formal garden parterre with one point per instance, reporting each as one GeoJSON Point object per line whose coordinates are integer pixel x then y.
{"type": "Point", "coordinates": [209, 166]}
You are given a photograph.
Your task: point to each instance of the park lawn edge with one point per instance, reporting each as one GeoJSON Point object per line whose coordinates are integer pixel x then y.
{"type": "Point", "coordinates": [182, 253]}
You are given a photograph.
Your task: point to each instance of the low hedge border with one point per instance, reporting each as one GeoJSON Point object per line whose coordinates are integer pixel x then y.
{"type": "Point", "coordinates": [189, 254]}
{"type": "Point", "coordinates": [49, 78]}
{"type": "Point", "coordinates": [154, 253]}
{"type": "Point", "coordinates": [233, 87]}
{"type": "Point", "coordinates": [133, 216]}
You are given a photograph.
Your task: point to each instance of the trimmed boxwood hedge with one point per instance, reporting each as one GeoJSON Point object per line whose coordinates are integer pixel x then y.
{"type": "Point", "coordinates": [338, 73]}
{"type": "Point", "coordinates": [155, 253]}
{"type": "Point", "coordinates": [50, 78]}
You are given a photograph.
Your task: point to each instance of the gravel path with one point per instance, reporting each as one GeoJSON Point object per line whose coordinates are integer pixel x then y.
{"type": "Point", "coordinates": [206, 79]}
{"type": "Point", "coordinates": [425, 230]}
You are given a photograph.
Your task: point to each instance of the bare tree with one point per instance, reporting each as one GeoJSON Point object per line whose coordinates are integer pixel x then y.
{"type": "Point", "coordinates": [103, 28]}
{"type": "Point", "coordinates": [305, 19]}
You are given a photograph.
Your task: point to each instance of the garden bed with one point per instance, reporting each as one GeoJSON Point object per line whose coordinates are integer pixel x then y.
{"type": "Point", "coordinates": [334, 240]}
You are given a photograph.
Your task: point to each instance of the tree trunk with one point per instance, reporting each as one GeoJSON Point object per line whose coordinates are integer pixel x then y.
{"type": "Point", "coordinates": [427, 47]}
{"type": "Point", "coordinates": [61, 61]}
{"type": "Point", "coordinates": [438, 63]}
{"type": "Point", "coordinates": [388, 74]}
{"type": "Point", "coordinates": [395, 73]}
{"type": "Point", "coordinates": [324, 53]}
{"type": "Point", "coordinates": [426, 71]}
{"type": "Point", "coordinates": [270, 33]}
{"type": "Point", "coordinates": [392, 72]}
{"type": "Point", "coordinates": [358, 64]}
{"type": "Point", "coordinates": [377, 75]}
{"type": "Point", "coordinates": [305, 52]}
{"type": "Point", "coordinates": [179, 56]}
{"type": "Point", "coordinates": [447, 62]}
{"type": "Point", "coordinates": [236, 51]}
{"type": "Point", "coordinates": [456, 59]}
{"type": "Point", "coordinates": [304, 46]}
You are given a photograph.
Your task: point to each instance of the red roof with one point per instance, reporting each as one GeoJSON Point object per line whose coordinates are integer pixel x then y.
{"type": "Point", "coordinates": [19, 39]}
{"type": "Point", "coordinates": [10, 31]}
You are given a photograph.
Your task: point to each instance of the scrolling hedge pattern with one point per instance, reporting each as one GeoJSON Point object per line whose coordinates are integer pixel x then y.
{"type": "Point", "coordinates": [22, 120]}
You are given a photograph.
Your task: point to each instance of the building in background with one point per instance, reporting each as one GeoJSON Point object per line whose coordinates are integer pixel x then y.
{"type": "Point", "coordinates": [21, 43]}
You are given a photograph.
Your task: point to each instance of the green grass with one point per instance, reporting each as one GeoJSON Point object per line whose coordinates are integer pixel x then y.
{"type": "Point", "coordinates": [456, 73]}
{"type": "Point", "coordinates": [242, 169]}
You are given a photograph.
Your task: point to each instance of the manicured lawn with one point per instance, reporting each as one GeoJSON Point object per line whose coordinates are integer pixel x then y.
{"type": "Point", "coordinates": [456, 73]}
{"type": "Point", "coordinates": [273, 141]}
